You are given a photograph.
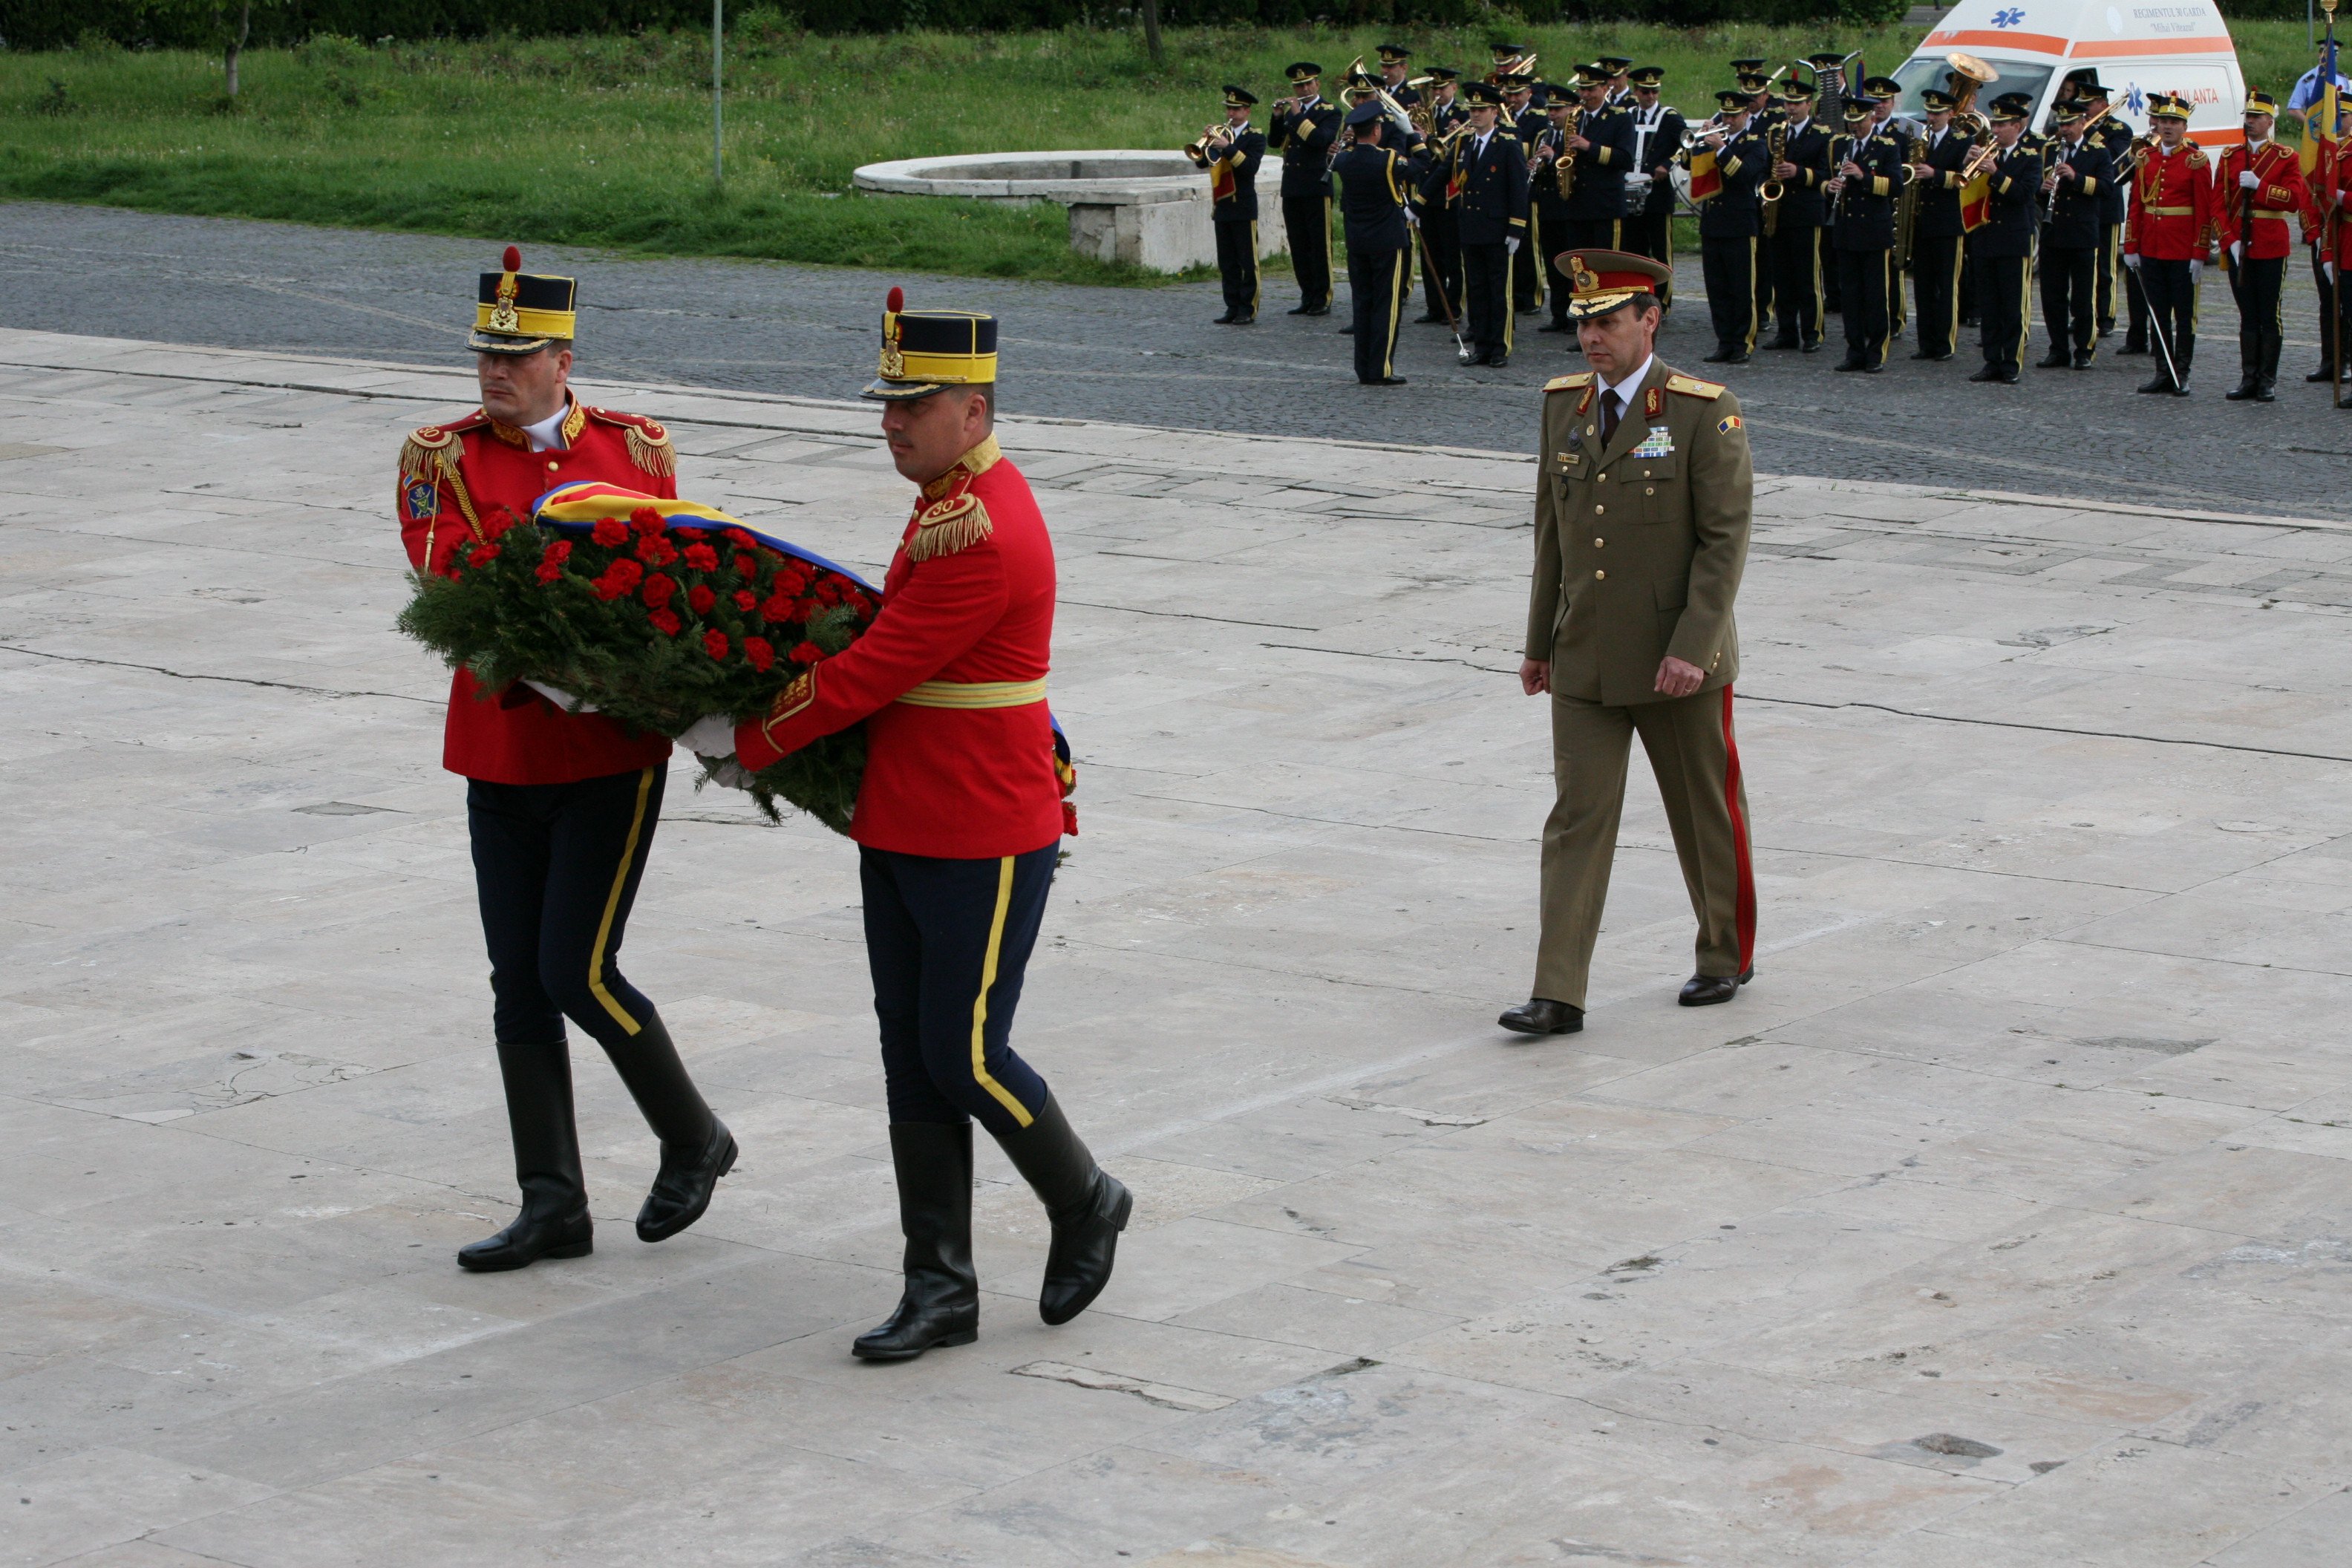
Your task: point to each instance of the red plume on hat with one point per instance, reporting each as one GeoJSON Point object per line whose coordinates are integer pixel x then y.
{"type": "Point", "coordinates": [895, 302]}
{"type": "Point", "coordinates": [512, 259]}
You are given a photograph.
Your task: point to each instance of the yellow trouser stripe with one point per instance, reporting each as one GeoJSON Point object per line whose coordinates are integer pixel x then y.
{"type": "Point", "coordinates": [613, 905]}
{"type": "Point", "coordinates": [974, 693]}
{"type": "Point", "coordinates": [980, 1004]}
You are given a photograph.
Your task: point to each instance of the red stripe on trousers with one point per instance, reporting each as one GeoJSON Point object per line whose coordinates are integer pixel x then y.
{"type": "Point", "coordinates": [1746, 898]}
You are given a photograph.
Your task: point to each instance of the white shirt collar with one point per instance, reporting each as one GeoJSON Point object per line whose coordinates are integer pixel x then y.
{"type": "Point", "coordinates": [1625, 390]}
{"type": "Point", "coordinates": [548, 434]}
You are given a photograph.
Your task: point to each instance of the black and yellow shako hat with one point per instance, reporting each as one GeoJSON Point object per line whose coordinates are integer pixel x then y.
{"type": "Point", "coordinates": [518, 313]}
{"type": "Point", "coordinates": [1599, 281]}
{"type": "Point", "coordinates": [925, 352]}
{"type": "Point", "coordinates": [2260, 103]}
{"type": "Point", "coordinates": [2166, 106]}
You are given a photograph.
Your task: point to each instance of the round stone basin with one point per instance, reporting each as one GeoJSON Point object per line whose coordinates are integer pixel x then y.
{"type": "Point", "coordinates": [1113, 177]}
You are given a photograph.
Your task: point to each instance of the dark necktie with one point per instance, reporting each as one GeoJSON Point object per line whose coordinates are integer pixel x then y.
{"type": "Point", "coordinates": [1609, 402]}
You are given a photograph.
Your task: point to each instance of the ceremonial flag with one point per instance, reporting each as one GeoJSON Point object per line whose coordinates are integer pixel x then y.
{"type": "Point", "coordinates": [1976, 203]}
{"type": "Point", "coordinates": [1221, 185]}
{"type": "Point", "coordinates": [1705, 179]}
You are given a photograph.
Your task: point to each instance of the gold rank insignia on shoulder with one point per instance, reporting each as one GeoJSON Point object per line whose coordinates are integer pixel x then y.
{"type": "Point", "coordinates": [1568, 383]}
{"type": "Point", "coordinates": [1654, 403]}
{"type": "Point", "coordinates": [945, 527]}
{"type": "Point", "coordinates": [1692, 386]}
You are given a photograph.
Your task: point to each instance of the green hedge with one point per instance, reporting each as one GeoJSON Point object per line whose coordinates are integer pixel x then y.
{"type": "Point", "coordinates": [60, 24]}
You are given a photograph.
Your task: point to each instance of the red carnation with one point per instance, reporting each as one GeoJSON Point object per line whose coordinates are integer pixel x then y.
{"type": "Point", "coordinates": [758, 652]}
{"type": "Point", "coordinates": [655, 551]}
{"type": "Point", "coordinates": [746, 564]}
{"type": "Point", "coordinates": [610, 530]}
{"type": "Point", "coordinates": [648, 519]}
{"type": "Point", "coordinates": [715, 644]}
{"type": "Point", "coordinates": [658, 588]}
{"type": "Point", "coordinates": [619, 578]}
{"type": "Point", "coordinates": [776, 607]}
{"type": "Point", "coordinates": [557, 550]}
{"type": "Point", "coordinates": [745, 600]}
{"type": "Point", "coordinates": [792, 580]}
{"type": "Point", "coordinates": [688, 533]}
{"type": "Point", "coordinates": [482, 556]}
{"type": "Point", "coordinates": [807, 653]}
{"type": "Point", "coordinates": [702, 558]}
{"type": "Point", "coordinates": [699, 599]}
{"type": "Point", "coordinates": [665, 622]}
{"type": "Point", "coordinates": [498, 522]}
{"type": "Point", "coordinates": [742, 537]}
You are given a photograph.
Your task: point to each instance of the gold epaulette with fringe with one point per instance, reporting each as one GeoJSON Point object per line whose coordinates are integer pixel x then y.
{"type": "Point", "coordinates": [947, 526]}
{"type": "Point", "coordinates": [650, 447]}
{"type": "Point", "coordinates": [432, 452]}
{"type": "Point", "coordinates": [1692, 386]}
{"type": "Point", "coordinates": [2197, 159]}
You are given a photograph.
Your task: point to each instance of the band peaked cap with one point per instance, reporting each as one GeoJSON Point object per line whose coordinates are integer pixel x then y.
{"type": "Point", "coordinates": [925, 352]}
{"type": "Point", "coordinates": [518, 313]}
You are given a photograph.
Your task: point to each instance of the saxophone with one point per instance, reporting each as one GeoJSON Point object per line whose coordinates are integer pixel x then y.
{"type": "Point", "coordinates": [1563, 165]}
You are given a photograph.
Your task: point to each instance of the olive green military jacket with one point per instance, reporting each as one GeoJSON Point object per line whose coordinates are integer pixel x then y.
{"type": "Point", "coordinates": [1639, 548]}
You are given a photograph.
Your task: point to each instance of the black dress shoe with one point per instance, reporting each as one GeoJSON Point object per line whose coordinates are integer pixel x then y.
{"type": "Point", "coordinates": [1383, 381]}
{"type": "Point", "coordinates": [2266, 392]}
{"type": "Point", "coordinates": [1706, 990]}
{"type": "Point", "coordinates": [2056, 359]}
{"type": "Point", "coordinates": [2082, 358]}
{"type": "Point", "coordinates": [1498, 358]}
{"type": "Point", "coordinates": [2008, 374]}
{"type": "Point", "coordinates": [1542, 1016]}
{"type": "Point", "coordinates": [1225, 320]}
{"type": "Point", "coordinates": [1087, 1206]}
{"type": "Point", "coordinates": [2180, 389]}
{"type": "Point", "coordinates": [1932, 359]}
{"type": "Point", "coordinates": [682, 1191]}
{"type": "Point", "coordinates": [2133, 346]}
{"type": "Point", "coordinates": [939, 1305]}
{"type": "Point", "coordinates": [1313, 311]}
{"type": "Point", "coordinates": [1426, 320]}
{"type": "Point", "coordinates": [1244, 321]}
{"type": "Point", "coordinates": [533, 1235]}
{"type": "Point", "coordinates": [1988, 373]}
{"type": "Point", "coordinates": [1737, 356]}
{"type": "Point", "coordinates": [1873, 369]}
{"type": "Point", "coordinates": [2155, 384]}
{"type": "Point", "coordinates": [1349, 331]}
{"type": "Point", "coordinates": [1854, 362]}
{"type": "Point", "coordinates": [1811, 348]}
{"type": "Point", "coordinates": [1778, 343]}
{"type": "Point", "coordinates": [1721, 356]}
{"type": "Point", "coordinates": [2321, 374]}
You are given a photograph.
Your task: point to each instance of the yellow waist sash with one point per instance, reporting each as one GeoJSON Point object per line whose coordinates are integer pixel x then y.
{"type": "Point", "coordinates": [2171, 212]}
{"type": "Point", "coordinates": [975, 694]}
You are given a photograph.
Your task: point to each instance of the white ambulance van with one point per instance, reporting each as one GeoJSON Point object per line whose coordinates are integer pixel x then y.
{"type": "Point", "coordinates": [2171, 46]}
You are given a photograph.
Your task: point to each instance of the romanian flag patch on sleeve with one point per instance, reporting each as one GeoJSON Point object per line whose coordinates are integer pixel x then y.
{"type": "Point", "coordinates": [1725, 426]}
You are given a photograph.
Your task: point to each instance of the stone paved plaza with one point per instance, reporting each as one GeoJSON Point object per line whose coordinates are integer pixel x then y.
{"type": "Point", "coordinates": [2002, 1223]}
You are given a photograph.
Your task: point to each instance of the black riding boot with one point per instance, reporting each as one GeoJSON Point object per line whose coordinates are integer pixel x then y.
{"type": "Point", "coordinates": [555, 1220]}
{"type": "Point", "coordinates": [696, 1148]}
{"type": "Point", "coordinates": [1087, 1206]}
{"type": "Point", "coordinates": [941, 1303]}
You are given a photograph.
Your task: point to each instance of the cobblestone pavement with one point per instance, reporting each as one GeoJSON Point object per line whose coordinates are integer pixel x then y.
{"type": "Point", "coordinates": [1153, 357]}
{"type": "Point", "coordinates": [2002, 1222]}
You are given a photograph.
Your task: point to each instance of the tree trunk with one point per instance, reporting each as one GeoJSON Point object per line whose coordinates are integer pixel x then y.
{"type": "Point", "coordinates": [237, 41]}
{"type": "Point", "coordinates": [1151, 31]}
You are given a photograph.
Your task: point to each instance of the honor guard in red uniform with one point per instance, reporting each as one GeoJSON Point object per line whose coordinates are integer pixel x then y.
{"type": "Point", "coordinates": [2255, 185]}
{"type": "Point", "coordinates": [959, 823]}
{"type": "Point", "coordinates": [2167, 237]}
{"type": "Point", "coordinates": [561, 804]}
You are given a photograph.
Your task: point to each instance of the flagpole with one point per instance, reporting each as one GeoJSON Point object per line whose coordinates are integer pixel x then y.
{"type": "Point", "coordinates": [2333, 225]}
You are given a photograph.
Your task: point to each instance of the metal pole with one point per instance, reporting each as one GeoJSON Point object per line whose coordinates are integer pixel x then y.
{"type": "Point", "coordinates": [718, 102]}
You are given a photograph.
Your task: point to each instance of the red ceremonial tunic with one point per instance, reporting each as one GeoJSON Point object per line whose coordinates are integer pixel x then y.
{"type": "Point", "coordinates": [949, 678]}
{"type": "Point", "coordinates": [2171, 216]}
{"type": "Point", "coordinates": [453, 478]}
{"type": "Point", "coordinates": [2282, 192]}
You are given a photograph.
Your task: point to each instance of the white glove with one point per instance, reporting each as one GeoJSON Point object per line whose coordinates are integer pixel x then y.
{"type": "Point", "coordinates": [731, 774]}
{"type": "Point", "coordinates": [1511, 245]}
{"type": "Point", "coordinates": [712, 735]}
{"type": "Point", "coordinates": [2196, 271]}
{"type": "Point", "coordinates": [2131, 262]}
{"type": "Point", "coordinates": [2329, 267]}
{"type": "Point", "coordinates": [2237, 253]}
{"type": "Point", "coordinates": [560, 698]}
{"type": "Point", "coordinates": [2247, 180]}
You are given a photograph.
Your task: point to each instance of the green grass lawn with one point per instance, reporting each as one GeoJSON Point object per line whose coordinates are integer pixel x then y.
{"type": "Point", "coordinates": [606, 140]}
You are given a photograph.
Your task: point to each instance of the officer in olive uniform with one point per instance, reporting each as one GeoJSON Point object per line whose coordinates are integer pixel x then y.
{"type": "Point", "coordinates": [1303, 129]}
{"type": "Point", "coordinates": [1867, 177]}
{"type": "Point", "coordinates": [2075, 185]}
{"type": "Point", "coordinates": [1936, 231]}
{"type": "Point", "coordinates": [561, 803]}
{"type": "Point", "coordinates": [1232, 154]}
{"type": "Point", "coordinates": [1642, 517]}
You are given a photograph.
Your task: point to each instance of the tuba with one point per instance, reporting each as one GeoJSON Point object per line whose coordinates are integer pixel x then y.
{"type": "Point", "coordinates": [1968, 76]}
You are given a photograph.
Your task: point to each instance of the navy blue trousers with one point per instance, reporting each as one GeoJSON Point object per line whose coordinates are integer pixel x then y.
{"type": "Point", "coordinates": [556, 867]}
{"type": "Point", "coordinates": [948, 942]}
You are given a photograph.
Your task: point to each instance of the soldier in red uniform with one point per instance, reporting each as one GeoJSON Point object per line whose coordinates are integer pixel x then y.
{"type": "Point", "coordinates": [959, 823]}
{"type": "Point", "coordinates": [2256, 185]}
{"type": "Point", "coordinates": [561, 804]}
{"type": "Point", "coordinates": [2168, 237]}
